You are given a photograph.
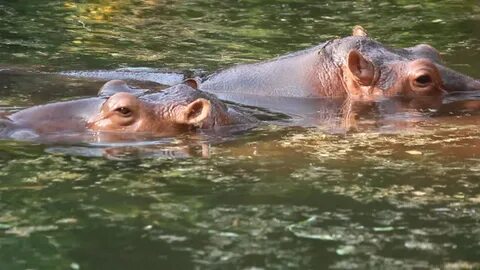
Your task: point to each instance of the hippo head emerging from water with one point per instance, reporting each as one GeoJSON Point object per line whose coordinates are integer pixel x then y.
{"type": "Point", "coordinates": [119, 108]}
{"type": "Point", "coordinates": [175, 109]}
{"type": "Point", "coordinates": [355, 66]}
{"type": "Point", "coordinates": [369, 68]}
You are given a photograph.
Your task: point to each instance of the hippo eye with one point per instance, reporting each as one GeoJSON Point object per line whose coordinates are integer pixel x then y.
{"type": "Point", "coordinates": [423, 80]}
{"type": "Point", "coordinates": [124, 111]}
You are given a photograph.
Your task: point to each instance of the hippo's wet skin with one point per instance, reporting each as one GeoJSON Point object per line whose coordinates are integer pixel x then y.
{"type": "Point", "coordinates": [119, 108]}
{"type": "Point", "coordinates": [355, 66]}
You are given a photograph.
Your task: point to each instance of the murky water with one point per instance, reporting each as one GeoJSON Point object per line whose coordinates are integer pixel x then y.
{"type": "Point", "coordinates": [394, 188]}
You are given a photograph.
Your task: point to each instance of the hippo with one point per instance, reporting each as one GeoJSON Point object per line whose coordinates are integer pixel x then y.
{"type": "Point", "coordinates": [354, 66]}
{"type": "Point", "coordinates": [120, 108]}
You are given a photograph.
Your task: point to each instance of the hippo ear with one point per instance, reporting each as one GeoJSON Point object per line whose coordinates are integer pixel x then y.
{"type": "Point", "coordinates": [115, 86]}
{"type": "Point", "coordinates": [359, 31]}
{"type": "Point", "coordinates": [361, 68]}
{"type": "Point", "coordinates": [192, 82]}
{"type": "Point", "coordinates": [195, 112]}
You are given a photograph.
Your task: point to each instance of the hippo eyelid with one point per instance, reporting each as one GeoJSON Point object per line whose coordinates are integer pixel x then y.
{"type": "Point", "coordinates": [124, 111]}
{"type": "Point", "coordinates": [424, 79]}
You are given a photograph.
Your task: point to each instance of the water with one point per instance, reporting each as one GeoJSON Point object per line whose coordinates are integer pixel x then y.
{"type": "Point", "coordinates": [388, 190]}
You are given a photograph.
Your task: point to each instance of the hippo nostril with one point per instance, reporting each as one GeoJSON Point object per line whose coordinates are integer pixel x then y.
{"type": "Point", "coordinates": [423, 80]}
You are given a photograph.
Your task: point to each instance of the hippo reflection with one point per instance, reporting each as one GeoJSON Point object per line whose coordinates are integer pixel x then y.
{"type": "Point", "coordinates": [355, 66]}
{"type": "Point", "coordinates": [120, 108]}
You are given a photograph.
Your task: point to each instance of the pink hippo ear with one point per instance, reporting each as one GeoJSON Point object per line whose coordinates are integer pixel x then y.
{"type": "Point", "coordinates": [192, 82]}
{"type": "Point", "coordinates": [361, 68]}
{"type": "Point", "coordinates": [195, 112]}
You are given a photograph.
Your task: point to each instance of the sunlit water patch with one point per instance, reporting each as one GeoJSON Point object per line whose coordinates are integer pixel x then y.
{"type": "Point", "coordinates": [355, 200]}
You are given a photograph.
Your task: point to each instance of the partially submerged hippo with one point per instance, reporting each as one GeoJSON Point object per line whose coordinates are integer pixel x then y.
{"type": "Point", "coordinates": [120, 108]}
{"type": "Point", "coordinates": [355, 66]}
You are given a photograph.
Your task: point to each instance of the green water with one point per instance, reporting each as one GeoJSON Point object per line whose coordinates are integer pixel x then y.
{"type": "Point", "coordinates": [393, 192]}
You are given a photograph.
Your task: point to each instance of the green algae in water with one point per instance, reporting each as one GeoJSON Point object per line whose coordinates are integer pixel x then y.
{"type": "Point", "coordinates": [272, 198]}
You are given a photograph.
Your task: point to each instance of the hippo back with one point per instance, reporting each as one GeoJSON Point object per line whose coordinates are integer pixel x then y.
{"type": "Point", "coordinates": [65, 116]}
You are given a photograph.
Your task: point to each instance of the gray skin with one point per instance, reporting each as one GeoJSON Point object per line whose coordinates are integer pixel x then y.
{"type": "Point", "coordinates": [120, 108]}
{"type": "Point", "coordinates": [355, 66]}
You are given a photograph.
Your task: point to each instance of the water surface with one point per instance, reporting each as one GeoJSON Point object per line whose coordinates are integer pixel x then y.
{"type": "Point", "coordinates": [390, 189]}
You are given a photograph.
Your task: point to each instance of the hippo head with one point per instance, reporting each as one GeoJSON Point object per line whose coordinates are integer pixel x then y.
{"type": "Point", "coordinates": [170, 111]}
{"type": "Point", "coordinates": [368, 68]}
